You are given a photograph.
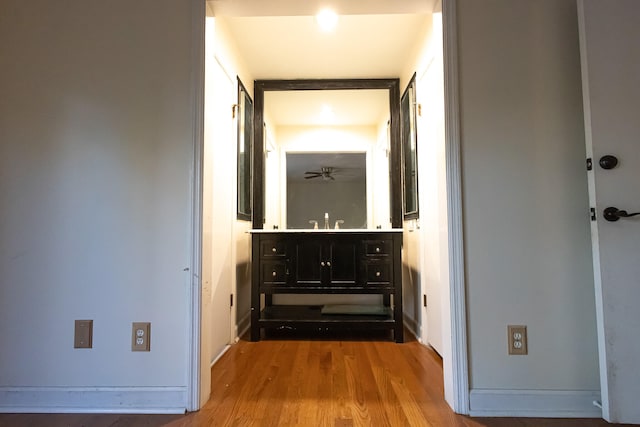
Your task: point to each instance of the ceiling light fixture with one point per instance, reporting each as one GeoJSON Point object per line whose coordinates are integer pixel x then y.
{"type": "Point", "coordinates": [327, 19]}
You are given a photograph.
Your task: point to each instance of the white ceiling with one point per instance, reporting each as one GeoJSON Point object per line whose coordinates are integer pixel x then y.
{"type": "Point", "coordinates": [279, 39]}
{"type": "Point", "coordinates": [348, 107]}
{"type": "Point", "coordinates": [293, 47]}
{"type": "Point", "coordinates": [310, 7]}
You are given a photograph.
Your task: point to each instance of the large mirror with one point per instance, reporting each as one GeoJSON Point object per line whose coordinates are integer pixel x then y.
{"type": "Point", "coordinates": [330, 150]}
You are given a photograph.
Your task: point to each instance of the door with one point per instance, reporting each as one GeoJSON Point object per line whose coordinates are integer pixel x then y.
{"type": "Point", "coordinates": [218, 213]}
{"type": "Point", "coordinates": [610, 51]}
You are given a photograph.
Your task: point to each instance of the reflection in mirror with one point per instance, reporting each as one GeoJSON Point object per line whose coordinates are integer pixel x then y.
{"type": "Point", "coordinates": [409, 150]}
{"type": "Point", "coordinates": [331, 184]}
{"type": "Point", "coordinates": [341, 138]}
{"type": "Point", "coordinates": [245, 148]}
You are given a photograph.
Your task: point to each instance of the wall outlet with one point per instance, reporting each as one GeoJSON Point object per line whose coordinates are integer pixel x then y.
{"type": "Point", "coordinates": [141, 336]}
{"type": "Point", "coordinates": [517, 338]}
{"type": "Point", "coordinates": [83, 334]}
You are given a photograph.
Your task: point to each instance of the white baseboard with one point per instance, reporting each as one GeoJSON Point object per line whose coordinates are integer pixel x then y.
{"type": "Point", "coordinates": [411, 324]}
{"type": "Point", "coordinates": [121, 400]}
{"type": "Point", "coordinates": [224, 350]}
{"type": "Point", "coordinates": [534, 403]}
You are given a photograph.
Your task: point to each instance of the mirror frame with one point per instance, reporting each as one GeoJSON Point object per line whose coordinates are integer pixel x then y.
{"type": "Point", "coordinates": [262, 86]}
{"type": "Point", "coordinates": [244, 180]}
{"type": "Point", "coordinates": [409, 157]}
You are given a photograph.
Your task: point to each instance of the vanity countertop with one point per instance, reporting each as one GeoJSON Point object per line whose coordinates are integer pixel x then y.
{"type": "Point", "coordinates": [328, 230]}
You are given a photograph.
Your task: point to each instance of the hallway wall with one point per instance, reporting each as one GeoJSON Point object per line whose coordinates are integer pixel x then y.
{"type": "Point", "coordinates": [526, 212]}
{"type": "Point", "coordinates": [96, 165]}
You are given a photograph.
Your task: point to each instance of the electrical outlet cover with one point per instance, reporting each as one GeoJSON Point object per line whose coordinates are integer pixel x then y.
{"type": "Point", "coordinates": [141, 336]}
{"type": "Point", "coordinates": [517, 339]}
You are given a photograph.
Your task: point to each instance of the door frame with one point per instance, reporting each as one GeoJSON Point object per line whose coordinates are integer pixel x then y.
{"type": "Point", "coordinates": [455, 357]}
{"type": "Point", "coordinates": [455, 366]}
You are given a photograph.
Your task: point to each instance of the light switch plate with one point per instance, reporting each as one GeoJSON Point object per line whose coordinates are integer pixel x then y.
{"type": "Point", "coordinates": [141, 336]}
{"type": "Point", "coordinates": [83, 334]}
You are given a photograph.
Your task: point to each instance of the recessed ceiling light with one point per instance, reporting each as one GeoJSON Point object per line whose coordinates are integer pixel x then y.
{"type": "Point", "coordinates": [327, 19]}
{"type": "Point", "coordinates": [327, 115]}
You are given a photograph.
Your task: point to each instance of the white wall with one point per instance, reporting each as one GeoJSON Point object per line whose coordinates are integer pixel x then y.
{"type": "Point", "coordinates": [227, 54]}
{"type": "Point", "coordinates": [526, 222]}
{"type": "Point", "coordinates": [96, 154]}
{"type": "Point", "coordinates": [421, 254]}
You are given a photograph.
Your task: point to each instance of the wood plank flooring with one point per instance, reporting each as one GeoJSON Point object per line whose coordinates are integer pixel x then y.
{"type": "Point", "coordinates": [291, 381]}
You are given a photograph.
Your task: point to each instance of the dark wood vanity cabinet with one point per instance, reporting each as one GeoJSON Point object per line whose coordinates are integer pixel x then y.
{"type": "Point", "coordinates": [326, 262]}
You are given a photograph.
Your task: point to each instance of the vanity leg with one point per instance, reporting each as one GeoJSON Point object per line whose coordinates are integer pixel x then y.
{"type": "Point", "coordinates": [398, 333]}
{"type": "Point", "coordinates": [255, 291]}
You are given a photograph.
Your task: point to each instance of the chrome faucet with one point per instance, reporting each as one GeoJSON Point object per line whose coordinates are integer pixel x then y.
{"type": "Point", "coordinates": [338, 222]}
{"type": "Point", "coordinates": [326, 220]}
{"type": "Point", "coordinates": [315, 223]}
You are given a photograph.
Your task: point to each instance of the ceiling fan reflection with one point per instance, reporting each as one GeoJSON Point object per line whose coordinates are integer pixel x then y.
{"type": "Point", "coordinates": [326, 173]}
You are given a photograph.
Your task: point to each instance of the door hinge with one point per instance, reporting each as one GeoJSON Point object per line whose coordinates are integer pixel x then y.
{"type": "Point", "coordinates": [589, 164]}
{"type": "Point", "coordinates": [424, 300]}
{"type": "Point", "coordinates": [231, 300]}
{"type": "Point", "coordinates": [593, 213]}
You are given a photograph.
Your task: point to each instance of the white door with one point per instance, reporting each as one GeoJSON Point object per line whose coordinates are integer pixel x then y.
{"type": "Point", "coordinates": [610, 51]}
{"type": "Point", "coordinates": [433, 197]}
{"type": "Point", "coordinates": [223, 207]}
{"type": "Point", "coordinates": [218, 210]}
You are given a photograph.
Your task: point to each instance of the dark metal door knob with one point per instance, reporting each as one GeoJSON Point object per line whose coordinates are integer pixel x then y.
{"type": "Point", "coordinates": [608, 162]}
{"type": "Point", "coordinates": [613, 214]}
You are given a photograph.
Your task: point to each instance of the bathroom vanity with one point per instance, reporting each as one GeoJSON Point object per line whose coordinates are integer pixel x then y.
{"type": "Point", "coordinates": [326, 262]}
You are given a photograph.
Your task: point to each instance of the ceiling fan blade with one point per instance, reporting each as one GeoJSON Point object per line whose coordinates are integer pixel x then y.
{"type": "Point", "coordinates": [313, 176]}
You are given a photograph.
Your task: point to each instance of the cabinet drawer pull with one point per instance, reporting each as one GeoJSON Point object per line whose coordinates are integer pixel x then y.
{"type": "Point", "coordinates": [377, 274]}
{"type": "Point", "coordinates": [377, 249]}
{"type": "Point", "coordinates": [274, 274]}
{"type": "Point", "coordinates": [274, 250]}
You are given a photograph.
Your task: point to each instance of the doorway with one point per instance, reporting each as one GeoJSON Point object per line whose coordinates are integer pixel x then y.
{"type": "Point", "coordinates": [454, 351]}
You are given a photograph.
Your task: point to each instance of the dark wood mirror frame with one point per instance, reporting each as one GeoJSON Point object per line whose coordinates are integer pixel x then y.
{"type": "Point", "coordinates": [392, 85]}
{"type": "Point", "coordinates": [409, 138]}
{"type": "Point", "coordinates": [245, 145]}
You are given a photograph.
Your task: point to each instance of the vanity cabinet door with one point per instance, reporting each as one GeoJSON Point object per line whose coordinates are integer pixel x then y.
{"type": "Point", "coordinates": [326, 261]}
{"type": "Point", "coordinates": [308, 259]}
{"type": "Point", "coordinates": [342, 258]}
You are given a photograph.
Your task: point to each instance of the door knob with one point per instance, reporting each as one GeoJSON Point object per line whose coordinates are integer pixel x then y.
{"type": "Point", "coordinates": [608, 162]}
{"type": "Point", "coordinates": [613, 214]}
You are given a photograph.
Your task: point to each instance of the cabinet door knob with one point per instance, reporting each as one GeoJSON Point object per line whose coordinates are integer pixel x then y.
{"type": "Point", "coordinates": [377, 274]}
{"type": "Point", "coordinates": [274, 250]}
{"type": "Point", "coordinates": [377, 249]}
{"type": "Point", "coordinates": [328, 264]}
{"type": "Point", "coordinates": [322, 263]}
{"type": "Point", "coordinates": [274, 274]}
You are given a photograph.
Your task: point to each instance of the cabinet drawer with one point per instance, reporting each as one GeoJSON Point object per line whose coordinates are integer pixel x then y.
{"type": "Point", "coordinates": [377, 272]}
{"type": "Point", "coordinates": [274, 272]}
{"type": "Point", "coordinates": [377, 247]}
{"type": "Point", "coordinates": [273, 248]}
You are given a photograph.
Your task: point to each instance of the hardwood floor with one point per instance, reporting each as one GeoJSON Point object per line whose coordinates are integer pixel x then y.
{"type": "Point", "coordinates": [300, 382]}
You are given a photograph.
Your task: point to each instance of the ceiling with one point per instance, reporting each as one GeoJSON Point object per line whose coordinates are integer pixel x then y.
{"type": "Point", "coordinates": [279, 39]}
{"type": "Point", "coordinates": [327, 107]}
{"type": "Point", "coordinates": [293, 47]}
